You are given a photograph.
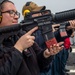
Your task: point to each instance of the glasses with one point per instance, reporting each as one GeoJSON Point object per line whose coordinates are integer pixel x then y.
{"type": "Point", "coordinates": [12, 13]}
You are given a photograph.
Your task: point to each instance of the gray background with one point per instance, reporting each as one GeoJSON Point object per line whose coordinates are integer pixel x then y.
{"type": "Point", "coordinates": [53, 5]}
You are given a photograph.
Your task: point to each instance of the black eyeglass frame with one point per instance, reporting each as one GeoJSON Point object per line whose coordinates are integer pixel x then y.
{"type": "Point", "coordinates": [12, 13]}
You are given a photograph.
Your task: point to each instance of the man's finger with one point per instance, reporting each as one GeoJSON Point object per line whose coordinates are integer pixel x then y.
{"type": "Point", "coordinates": [32, 30]}
{"type": "Point", "coordinates": [61, 43]}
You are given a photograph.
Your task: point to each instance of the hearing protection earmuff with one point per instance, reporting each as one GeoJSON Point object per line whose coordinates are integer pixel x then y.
{"type": "Point", "coordinates": [26, 12]}
{"type": "Point", "coordinates": [1, 2]}
{"type": "Point", "coordinates": [27, 9]}
{"type": "Point", "coordinates": [0, 16]}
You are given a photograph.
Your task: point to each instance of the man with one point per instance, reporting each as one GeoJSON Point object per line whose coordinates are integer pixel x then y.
{"type": "Point", "coordinates": [33, 7]}
{"type": "Point", "coordinates": [22, 57]}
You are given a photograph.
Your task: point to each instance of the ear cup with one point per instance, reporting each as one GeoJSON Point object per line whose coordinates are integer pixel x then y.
{"type": "Point", "coordinates": [0, 17]}
{"type": "Point", "coordinates": [26, 12]}
{"type": "Point", "coordinates": [1, 2]}
{"type": "Point", "coordinates": [26, 9]}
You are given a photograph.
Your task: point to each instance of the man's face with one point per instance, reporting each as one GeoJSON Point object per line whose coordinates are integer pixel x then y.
{"type": "Point", "coordinates": [40, 14]}
{"type": "Point", "coordinates": [36, 15]}
{"type": "Point", "coordinates": [9, 18]}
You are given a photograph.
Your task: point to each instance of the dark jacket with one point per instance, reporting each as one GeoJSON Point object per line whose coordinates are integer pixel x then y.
{"type": "Point", "coordinates": [30, 62]}
{"type": "Point", "coordinates": [40, 39]}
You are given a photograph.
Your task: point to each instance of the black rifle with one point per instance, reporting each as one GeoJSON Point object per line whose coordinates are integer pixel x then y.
{"type": "Point", "coordinates": [46, 18]}
{"type": "Point", "coordinates": [44, 22]}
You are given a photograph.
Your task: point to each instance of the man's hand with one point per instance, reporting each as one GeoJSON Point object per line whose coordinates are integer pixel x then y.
{"type": "Point", "coordinates": [26, 41]}
{"type": "Point", "coordinates": [56, 48]}
{"type": "Point", "coordinates": [72, 23]}
{"type": "Point", "coordinates": [54, 27]}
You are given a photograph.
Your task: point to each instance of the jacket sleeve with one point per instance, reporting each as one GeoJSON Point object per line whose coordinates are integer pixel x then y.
{"type": "Point", "coordinates": [10, 60]}
{"type": "Point", "coordinates": [43, 62]}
